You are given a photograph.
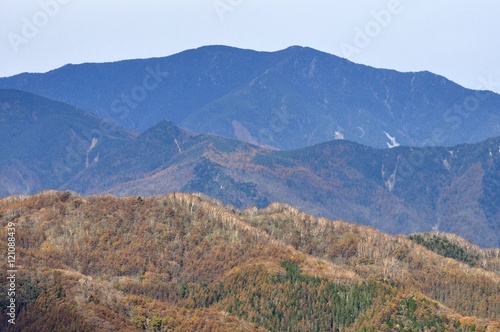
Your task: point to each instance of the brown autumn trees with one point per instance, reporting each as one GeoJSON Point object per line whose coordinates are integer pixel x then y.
{"type": "Point", "coordinates": [188, 263]}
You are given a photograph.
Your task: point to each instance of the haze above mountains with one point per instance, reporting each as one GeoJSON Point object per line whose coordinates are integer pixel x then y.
{"type": "Point", "coordinates": [297, 100]}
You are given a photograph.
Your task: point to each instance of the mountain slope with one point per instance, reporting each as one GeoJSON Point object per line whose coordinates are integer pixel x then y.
{"type": "Point", "coordinates": [401, 190]}
{"type": "Point", "coordinates": [164, 159]}
{"type": "Point", "coordinates": [140, 93]}
{"type": "Point", "coordinates": [184, 262]}
{"type": "Point", "coordinates": [287, 99]}
{"type": "Point", "coordinates": [398, 190]}
{"type": "Point", "coordinates": [47, 144]}
{"type": "Point", "coordinates": [44, 143]}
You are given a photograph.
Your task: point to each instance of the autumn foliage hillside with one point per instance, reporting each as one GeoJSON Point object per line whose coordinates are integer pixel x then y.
{"type": "Point", "coordinates": [185, 262]}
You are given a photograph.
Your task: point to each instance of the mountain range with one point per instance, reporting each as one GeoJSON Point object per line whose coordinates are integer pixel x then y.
{"type": "Point", "coordinates": [51, 145]}
{"type": "Point", "coordinates": [288, 99]}
{"type": "Point", "coordinates": [222, 189]}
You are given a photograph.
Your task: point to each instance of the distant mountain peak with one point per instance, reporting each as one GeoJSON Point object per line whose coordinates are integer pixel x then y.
{"type": "Point", "coordinates": [166, 128]}
{"type": "Point", "coordinates": [286, 99]}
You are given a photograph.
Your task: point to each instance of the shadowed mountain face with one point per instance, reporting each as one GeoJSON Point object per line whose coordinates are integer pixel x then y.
{"type": "Point", "coordinates": [289, 99]}
{"type": "Point", "coordinates": [44, 143]}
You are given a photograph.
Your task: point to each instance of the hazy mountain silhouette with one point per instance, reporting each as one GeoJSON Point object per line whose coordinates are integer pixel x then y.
{"type": "Point", "coordinates": [47, 144]}
{"type": "Point", "coordinates": [288, 99]}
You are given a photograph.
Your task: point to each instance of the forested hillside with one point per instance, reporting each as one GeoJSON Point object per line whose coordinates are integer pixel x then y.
{"type": "Point", "coordinates": [186, 262]}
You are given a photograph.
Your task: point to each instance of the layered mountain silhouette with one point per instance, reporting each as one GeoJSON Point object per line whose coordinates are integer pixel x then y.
{"type": "Point", "coordinates": [50, 145]}
{"type": "Point", "coordinates": [207, 191]}
{"type": "Point", "coordinates": [288, 99]}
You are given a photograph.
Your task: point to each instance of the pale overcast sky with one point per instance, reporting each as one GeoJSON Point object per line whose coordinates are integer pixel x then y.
{"type": "Point", "coordinates": [455, 38]}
